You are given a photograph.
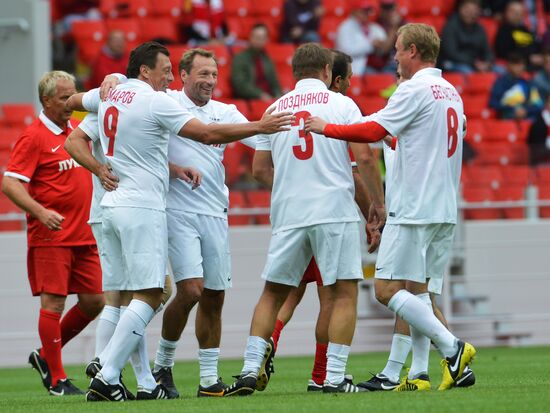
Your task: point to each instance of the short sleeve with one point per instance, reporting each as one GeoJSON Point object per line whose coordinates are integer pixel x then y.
{"type": "Point", "coordinates": [401, 109]}
{"type": "Point", "coordinates": [24, 158]}
{"type": "Point", "coordinates": [263, 143]}
{"type": "Point", "coordinates": [91, 100]}
{"type": "Point", "coordinates": [168, 113]}
{"type": "Point", "coordinates": [90, 126]}
{"type": "Point", "coordinates": [352, 112]}
{"type": "Point", "coordinates": [235, 117]}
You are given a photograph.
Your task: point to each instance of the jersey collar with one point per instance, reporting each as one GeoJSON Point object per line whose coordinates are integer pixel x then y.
{"type": "Point", "coordinates": [189, 104]}
{"type": "Point", "coordinates": [309, 83]}
{"type": "Point", "coordinates": [429, 71]}
{"type": "Point", "coordinates": [53, 128]}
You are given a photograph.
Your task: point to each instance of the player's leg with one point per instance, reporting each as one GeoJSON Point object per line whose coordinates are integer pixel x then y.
{"type": "Point", "coordinates": [337, 252]}
{"type": "Point", "coordinates": [208, 322]}
{"type": "Point", "coordinates": [286, 311]}
{"type": "Point", "coordinates": [289, 253]}
{"type": "Point", "coordinates": [184, 250]}
{"type": "Point", "coordinates": [138, 235]}
{"type": "Point", "coordinates": [319, 372]}
{"type": "Point", "coordinates": [395, 258]}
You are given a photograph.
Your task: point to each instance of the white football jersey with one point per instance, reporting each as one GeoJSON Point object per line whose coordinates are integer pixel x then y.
{"type": "Point", "coordinates": [212, 196]}
{"type": "Point", "coordinates": [135, 122]}
{"type": "Point", "coordinates": [426, 115]}
{"type": "Point", "coordinates": [90, 127]}
{"type": "Point", "coordinates": [313, 181]}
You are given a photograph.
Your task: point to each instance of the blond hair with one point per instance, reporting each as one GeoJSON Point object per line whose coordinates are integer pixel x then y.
{"type": "Point", "coordinates": [424, 37]}
{"type": "Point", "coordinates": [48, 84]}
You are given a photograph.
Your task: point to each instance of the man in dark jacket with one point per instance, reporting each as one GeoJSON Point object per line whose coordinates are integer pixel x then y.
{"type": "Point", "coordinates": [464, 44]}
{"type": "Point", "coordinates": [253, 74]}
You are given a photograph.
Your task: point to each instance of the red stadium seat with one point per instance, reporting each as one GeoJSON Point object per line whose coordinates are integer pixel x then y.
{"type": "Point", "coordinates": [176, 53]}
{"type": "Point", "coordinates": [477, 107]}
{"type": "Point", "coordinates": [501, 130]}
{"type": "Point", "coordinates": [436, 21]}
{"type": "Point", "coordinates": [475, 131]}
{"type": "Point", "coordinates": [6, 207]}
{"type": "Point", "coordinates": [491, 27]}
{"type": "Point", "coordinates": [480, 194]}
{"type": "Point", "coordinates": [258, 107]}
{"type": "Point", "coordinates": [8, 136]}
{"type": "Point", "coordinates": [425, 7]}
{"type": "Point", "coordinates": [159, 28]}
{"type": "Point", "coordinates": [281, 52]}
{"type": "Point", "coordinates": [480, 83]}
{"type": "Point", "coordinates": [260, 199]}
{"type": "Point", "coordinates": [511, 193]}
{"type": "Point", "coordinates": [241, 26]}
{"type": "Point", "coordinates": [355, 86]}
{"type": "Point", "coordinates": [168, 8]}
{"type": "Point", "coordinates": [17, 114]}
{"type": "Point", "coordinates": [328, 29]}
{"type": "Point", "coordinates": [286, 78]}
{"type": "Point", "coordinates": [240, 104]}
{"type": "Point", "coordinates": [483, 177]}
{"type": "Point", "coordinates": [129, 26]}
{"type": "Point", "coordinates": [499, 153]}
{"type": "Point", "coordinates": [370, 104]}
{"type": "Point", "coordinates": [124, 8]}
{"type": "Point", "coordinates": [338, 8]}
{"type": "Point", "coordinates": [374, 84]}
{"type": "Point", "coordinates": [542, 174]}
{"type": "Point", "coordinates": [237, 200]}
{"type": "Point", "coordinates": [223, 57]}
{"type": "Point", "coordinates": [272, 9]}
{"type": "Point", "coordinates": [516, 175]}
{"type": "Point", "coordinates": [544, 195]}
{"type": "Point", "coordinates": [456, 79]}
{"type": "Point", "coordinates": [223, 87]}
{"type": "Point", "coordinates": [237, 8]}
{"type": "Point", "coordinates": [89, 36]}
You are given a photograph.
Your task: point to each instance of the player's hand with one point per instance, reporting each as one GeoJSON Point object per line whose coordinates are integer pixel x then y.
{"type": "Point", "coordinates": [315, 124]}
{"type": "Point", "coordinates": [109, 181]}
{"type": "Point", "coordinates": [51, 219]}
{"type": "Point", "coordinates": [278, 122]}
{"type": "Point", "coordinates": [373, 238]}
{"type": "Point", "coordinates": [108, 83]}
{"type": "Point", "coordinates": [188, 174]}
{"type": "Point", "coordinates": [377, 217]}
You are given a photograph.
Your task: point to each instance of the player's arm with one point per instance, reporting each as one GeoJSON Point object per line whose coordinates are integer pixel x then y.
{"type": "Point", "coordinates": [75, 102]}
{"type": "Point", "coordinates": [360, 132]}
{"type": "Point", "coordinates": [262, 168]}
{"type": "Point", "coordinates": [77, 145]}
{"type": "Point", "coordinates": [18, 194]}
{"type": "Point", "coordinates": [224, 133]}
{"type": "Point", "coordinates": [370, 174]}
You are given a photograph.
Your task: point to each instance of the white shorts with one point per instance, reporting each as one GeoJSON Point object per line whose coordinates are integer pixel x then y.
{"type": "Point", "coordinates": [198, 247]}
{"type": "Point", "coordinates": [335, 247]}
{"type": "Point", "coordinates": [415, 253]}
{"type": "Point", "coordinates": [135, 248]}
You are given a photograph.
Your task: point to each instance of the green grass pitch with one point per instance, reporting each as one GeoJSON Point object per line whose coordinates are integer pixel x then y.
{"type": "Point", "coordinates": [508, 380]}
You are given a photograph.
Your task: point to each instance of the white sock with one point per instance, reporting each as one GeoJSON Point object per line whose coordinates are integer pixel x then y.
{"type": "Point", "coordinates": [208, 364]}
{"type": "Point", "coordinates": [165, 354]}
{"type": "Point", "coordinates": [104, 355]}
{"type": "Point", "coordinates": [337, 358]}
{"type": "Point", "coordinates": [420, 345]}
{"type": "Point", "coordinates": [139, 360]}
{"type": "Point", "coordinates": [129, 331]}
{"type": "Point", "coordinates": [105, 327]}
{"type": "Point", "coordinates": [411, 309]}
{"type": "Point", "coordinates": [400, 348]}
{"type": "Point", "coordinates": [254, 354]}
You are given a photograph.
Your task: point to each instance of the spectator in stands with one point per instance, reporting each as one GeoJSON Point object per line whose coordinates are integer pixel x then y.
{"type": "Point", "coordinates": [359, 36]}
{"type": "Point", "coordinates": [207, 24]}
{"type": "Point", "coordinates": [539, 137]}
{"type": "Point", "coordinates": [253, 74]}
{"type": "Point", "coordinates": [542, 78]}
{"type": "Point", "coordinates": [390, 20]}
{"type": "Point", "coordinates": [513, 36]}
{"type": "Point", "coordinates": [512, 95]}
{"type": "Point", "coordinates": [301, 19]}
{"type": "Point", "coordinates": [464, 44]}
{"type": "Point", "coordinates": [113, 58]}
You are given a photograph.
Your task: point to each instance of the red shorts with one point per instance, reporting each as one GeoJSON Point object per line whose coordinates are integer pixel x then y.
{"type": "Point", "coordinates": [64, 270]}
{"type": "Point", "coordinates": [312, 273]}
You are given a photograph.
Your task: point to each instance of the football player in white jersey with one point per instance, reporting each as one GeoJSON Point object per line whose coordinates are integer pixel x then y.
{"type": "Point", "coordinates": [312, 214]}
{"type": "Point", "coordinates": [135, 121]}
{"type": "Point", "coordinates": [426, 114]}
{"type": "Point", "coordinates": [341, 76]}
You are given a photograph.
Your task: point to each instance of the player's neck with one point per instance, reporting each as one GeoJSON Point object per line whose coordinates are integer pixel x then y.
{"type": "Point", "coordinates": [421, 65]}
{"type": "Point", "coordinates": [59, 122]}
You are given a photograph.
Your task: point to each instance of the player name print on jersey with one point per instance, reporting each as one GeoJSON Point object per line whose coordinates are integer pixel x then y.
{"type": "Point", "coordinates": [296, 101]}
{"type": "Point", "coordinates": [121, 96]}
{"type": "Point", "coordinates": [443, 92]}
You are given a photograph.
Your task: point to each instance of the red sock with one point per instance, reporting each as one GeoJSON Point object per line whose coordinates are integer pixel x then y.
{"type": "Point", "coordinates": [279, 325]}
{"type": "Point", "coordinates": [320, 365]}
{"type": "Point", "coordinates": [50, 336]}
{"type": "Point", "coordinates": [73, 323]}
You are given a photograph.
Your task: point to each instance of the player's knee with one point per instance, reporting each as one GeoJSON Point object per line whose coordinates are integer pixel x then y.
{"type": "Point", "coordinates": [383, 295]}
{"type": "Point", "coordinates": [189, 292]}
{"type": "Point", "coordinates": [93, 304]}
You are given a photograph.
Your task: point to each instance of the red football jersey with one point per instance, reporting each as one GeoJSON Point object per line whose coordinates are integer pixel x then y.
{"type": "Point", "coordinates": [55, 181]}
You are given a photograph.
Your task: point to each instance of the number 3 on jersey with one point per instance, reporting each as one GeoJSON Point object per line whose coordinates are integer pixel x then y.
{"type": "Point", "coordinates": [303, 152]}
{"type": "Point", "coordinates": [110, 121]}
{"type": "Point", "coordinates": [452, 132]}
